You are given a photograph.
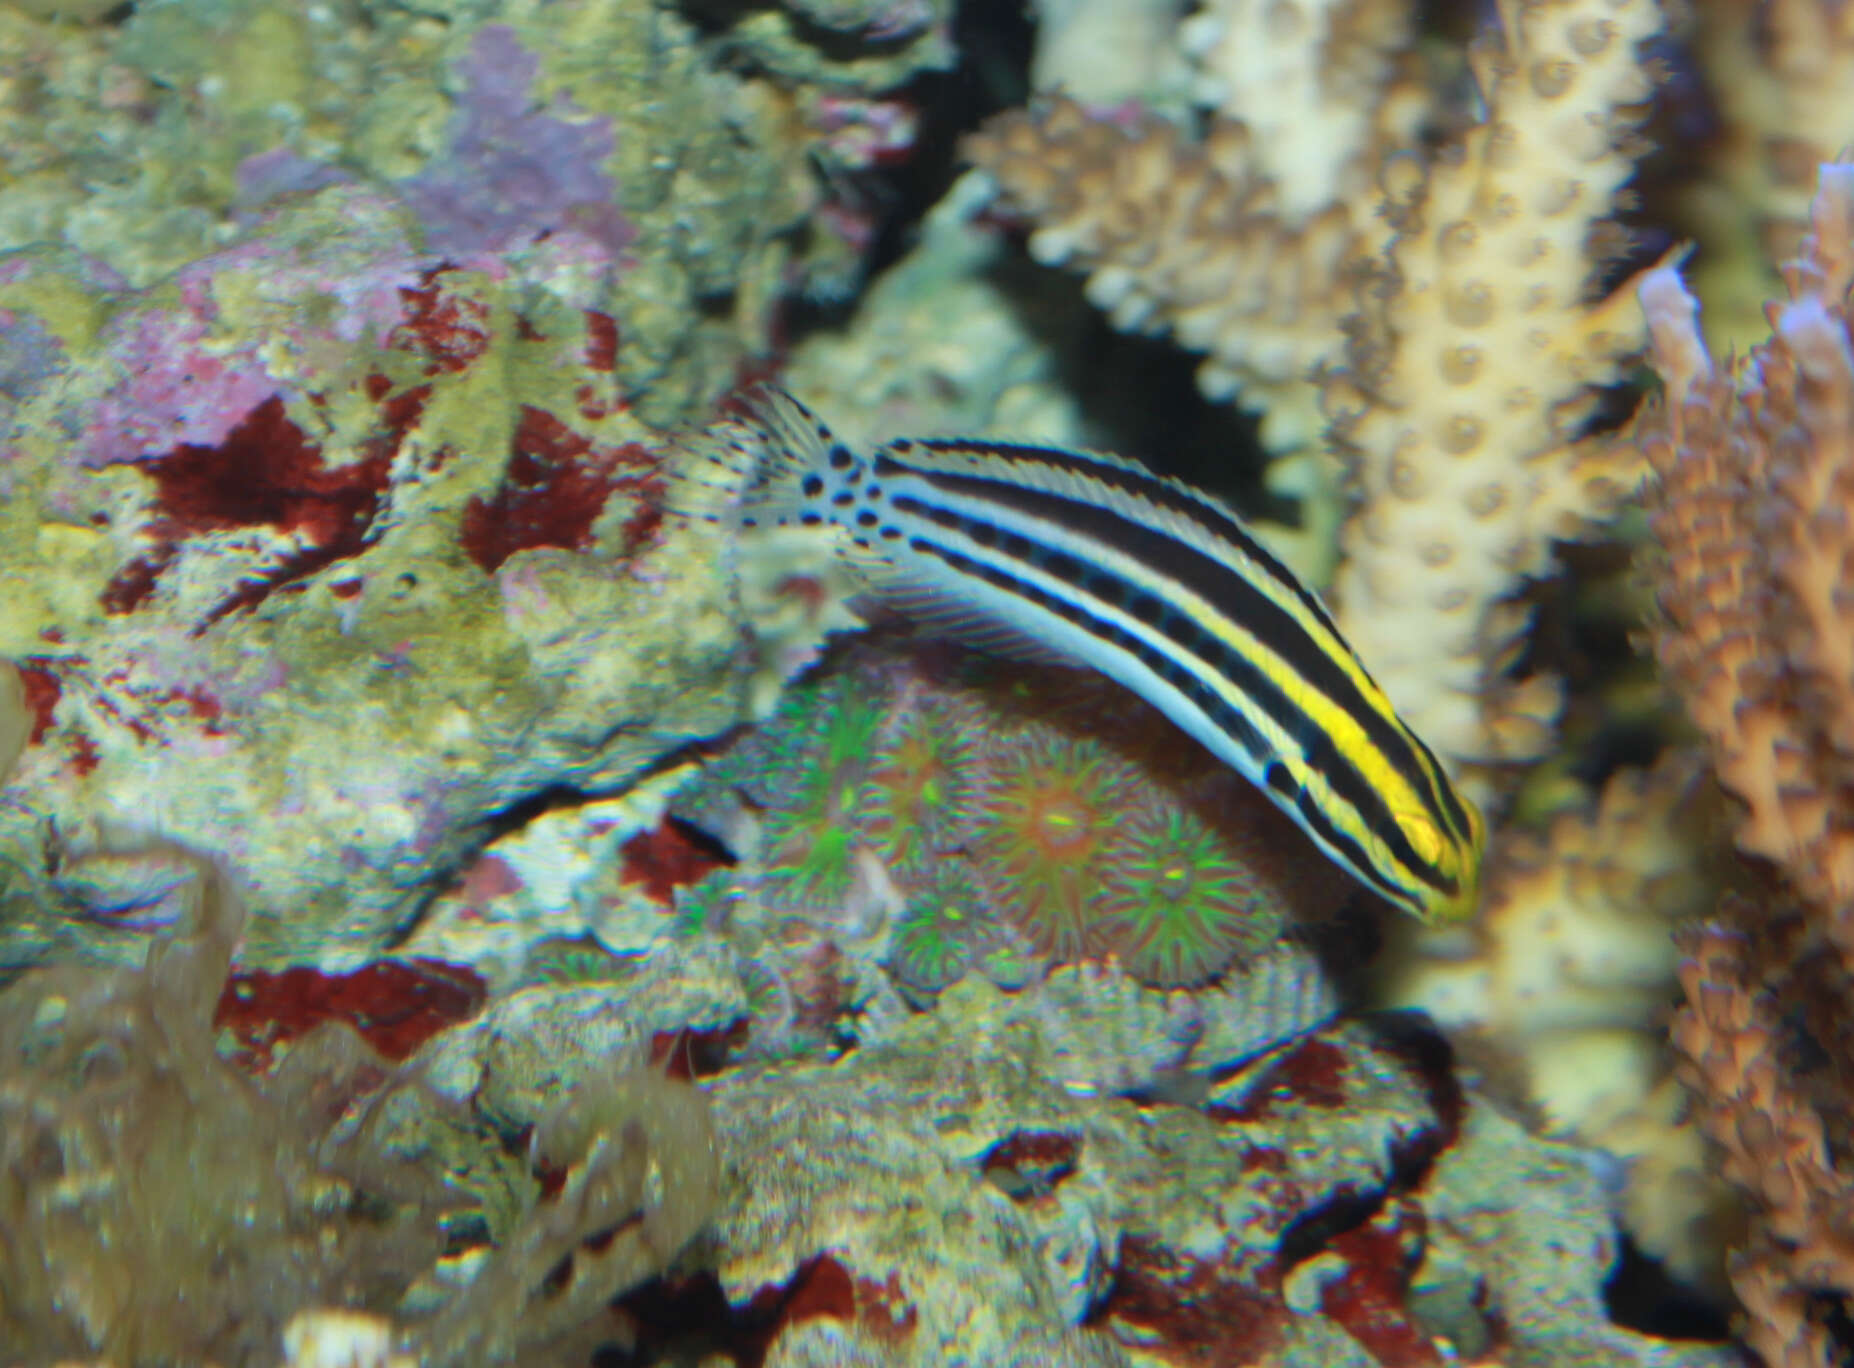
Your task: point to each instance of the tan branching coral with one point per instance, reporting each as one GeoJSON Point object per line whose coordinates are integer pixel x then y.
{"type": "Point", "coordinates": [1316, 84]}
{"type": "Point", "coordinates": [1188, 237]}
{"type": "Point", "coordinates": [1755, 511]}
{"type": "Point", "coordinates": [1473, 354]}
{"type": "Point", "coordinates": [1475, 366]}
{"type": "Point", "coordinates": [1240, 245]}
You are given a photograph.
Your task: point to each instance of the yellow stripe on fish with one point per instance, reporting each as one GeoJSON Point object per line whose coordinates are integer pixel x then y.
{"type": "Point", "coordinates": [1093, 560]}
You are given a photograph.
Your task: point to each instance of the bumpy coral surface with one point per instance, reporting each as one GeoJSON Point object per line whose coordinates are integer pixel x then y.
{"type": "Point", "coordinates": [1752, 510]}
{"type": "Point", "coordinates": [1339, 1202]}
{"type": "Point", "coordinates": [1474, 368]}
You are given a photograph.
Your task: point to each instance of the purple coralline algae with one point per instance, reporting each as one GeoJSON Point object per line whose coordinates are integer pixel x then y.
{"type": "Point", "coordinates": [512, 172]}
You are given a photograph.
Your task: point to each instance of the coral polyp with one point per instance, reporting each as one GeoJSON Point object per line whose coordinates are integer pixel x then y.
{"type": "Point", "coordinates": [936, 936]}
{"type": "Point", "coordinates": [811, 849]}
{"type": "Point", "coordinates": [813, 785]}
{"type": "Point", "coordinates": [925, 785]}
{"type": "Point", "coordinates": [1054, 807]}
{"type": "Point", "coordinates": [1178, 903]}
{"type": "Point", "coordinates": [942, 816]}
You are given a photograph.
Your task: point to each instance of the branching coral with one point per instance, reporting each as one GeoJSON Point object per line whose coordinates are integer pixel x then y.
{"type": "Point", "coordinates": [1474, 370]}
{"type": "Point", "coordinates": [1316, 83]}
{"type": "Point", "coordinates": [634, 1157]}
{"type": "Point", "coordinates": [1755, 511]}
{"type": "Point", "coordinates": [1186, 237]}
{"type": "Point", "coordinates": [1474, 351]}
{"type": "Point", "coordinates": [1563, 984]}
{"type": "Point", "coordinates": [1776, 1148]}
{"type": "Point", "coordinates": [1460, 376]}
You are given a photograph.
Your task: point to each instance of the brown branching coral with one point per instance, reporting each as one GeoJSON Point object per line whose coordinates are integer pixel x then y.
{"type": "Point", "coordinates": [1755, 511]}
{"type": "Point", "coordinates": [1775, 1146]}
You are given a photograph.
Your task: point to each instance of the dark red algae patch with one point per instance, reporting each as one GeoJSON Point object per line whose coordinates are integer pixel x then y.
{"type": "Point", "coordinates": [601, 341]}
{"type": "Point", "coordinates": [554, 489]}
{"type": "Point", "coordinates": [666, 857]}
{"type": "Point", "coordinates": [396, 1005]}
{"type": "Point", "coordinates": [691, 1316]}
{"type": "Point", "coordinates": [42, 691]}
{"type": "Point", "coordinates": [1028, 1164]}
{"type": "Point", "coordinates": [1368, 1301]}
{"type": "Point", "coordinates": [601, 395]}
{"type": "Point", "coordinates": [689, 1053]}
{"type": "Point", "coordinates": [265, 473]}
{"type": "Point", "coordinates": [1201, 1316]}
{"type": "Point", "coordinates": [447, 331]}
{"type": "Point", "coordinates": [1312, 1074]}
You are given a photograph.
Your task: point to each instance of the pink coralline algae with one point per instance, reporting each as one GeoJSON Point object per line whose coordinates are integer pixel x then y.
{"type": "Point", "coordinates": [179, 392]}
{"type": "Point", "coordinates": [186, 375]}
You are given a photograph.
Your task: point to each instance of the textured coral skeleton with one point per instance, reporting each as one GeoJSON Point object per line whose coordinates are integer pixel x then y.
{"type": "Point", "coordinates": [1464, 340]}
{"type": "Point", "coordinates": [1753, 509]}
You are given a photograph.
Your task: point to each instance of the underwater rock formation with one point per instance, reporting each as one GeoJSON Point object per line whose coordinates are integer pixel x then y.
{"type": "Point", "coordinates": [335, 550]}
{"type": "Point", "coordinates": [333, 388]}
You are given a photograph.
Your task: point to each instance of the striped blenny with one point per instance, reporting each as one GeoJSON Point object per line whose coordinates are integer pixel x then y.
{"type": "Point", "coordinates": [1091, 559]}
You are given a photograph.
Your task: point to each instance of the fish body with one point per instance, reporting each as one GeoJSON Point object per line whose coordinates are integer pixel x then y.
{"type": "Point", "coordinates": [1090, 559]}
